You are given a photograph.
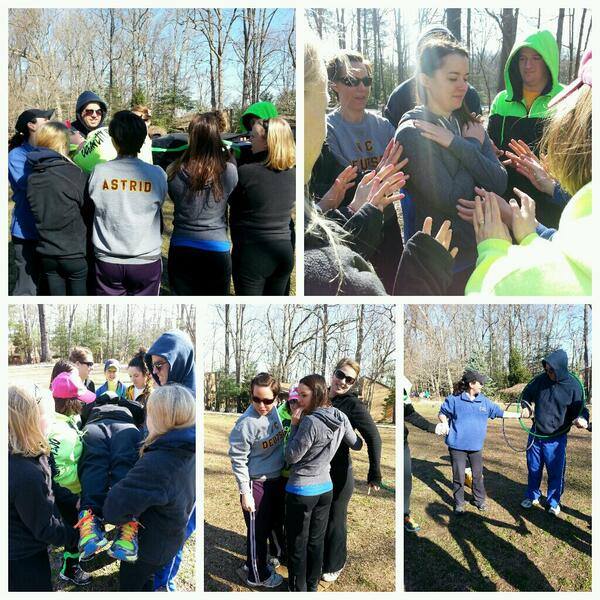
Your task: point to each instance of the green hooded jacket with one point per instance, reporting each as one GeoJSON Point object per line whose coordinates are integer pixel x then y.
{"type": "Point", "coordinates": [510, 119]}
{"type": "Point", "coordinates": [561, 266]}
{"type": "Point", "coordinates": [286, 421]}
{"type": "Point", "coordinates": [262, 110]}
{"type": "Point", "coordinates": [66, 446]}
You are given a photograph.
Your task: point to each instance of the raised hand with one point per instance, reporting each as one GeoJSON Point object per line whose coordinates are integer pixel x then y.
{"type": "Point", "coordinates": [487, 220]}
{"type": "Point", "coordinates": [335, 194]}
{"type": "Point", "coordinates": [526, 163]}
{"type": "Point", "coordinates": [444, 234]}
{"type": "Point", "coordinates": [437, 134]}
{"type": "Point", "coordinates": [466, 208]}
{"type": "Point", "coordinates": [523, 217]}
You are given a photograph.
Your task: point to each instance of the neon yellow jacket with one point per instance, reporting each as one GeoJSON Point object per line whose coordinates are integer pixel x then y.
{"type": "Point", "coordinates": [561, 266]}
{"type": "Point", "coordinates": [66, 446]}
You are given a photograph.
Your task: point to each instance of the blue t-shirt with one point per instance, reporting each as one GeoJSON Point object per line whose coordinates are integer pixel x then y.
{"type": "Point", "coordinates": [468, 419]}
{"type": "Point", "coordinates": [23, 224]}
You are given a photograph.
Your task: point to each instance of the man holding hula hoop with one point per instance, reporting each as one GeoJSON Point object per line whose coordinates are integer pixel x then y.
{"type": "Point", "coordinates": [557, 400]}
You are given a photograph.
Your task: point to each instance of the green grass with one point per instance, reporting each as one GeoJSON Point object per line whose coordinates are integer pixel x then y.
{"type": "Point", "coordinates": [506, 548]}
{"type": "Point", "coordinates": [106, 579]}
{"type": "Point", "coordinates": [371, 519]}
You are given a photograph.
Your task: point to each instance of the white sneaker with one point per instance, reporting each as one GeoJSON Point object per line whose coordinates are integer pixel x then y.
{"type": "Point", "coordinates": [554, 510]}
{"type": "Point", "coordinates": [332, 576]}
{"type": "Point", "coordinates": [274, 562]}
{"type": "Point", "coordinates": [527, 503]}
{"type": "Point", "coordinates": [275, 580]}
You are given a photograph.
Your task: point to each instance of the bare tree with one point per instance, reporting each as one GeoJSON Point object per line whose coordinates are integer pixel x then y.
{"type": "Point", "coordinates": [453, 22]}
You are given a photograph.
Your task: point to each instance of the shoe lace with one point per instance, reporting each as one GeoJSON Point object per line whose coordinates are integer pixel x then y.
{"type": "Point", "coordinates": [85, 524]}
{"type": "Point", "coordinates": [129, 530]}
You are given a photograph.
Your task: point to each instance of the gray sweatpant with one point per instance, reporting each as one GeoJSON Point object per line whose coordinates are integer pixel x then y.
{"type": "Point", "coordinates": [407, 479]}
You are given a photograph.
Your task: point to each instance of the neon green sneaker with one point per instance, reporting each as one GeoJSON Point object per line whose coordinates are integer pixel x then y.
{"type": "Point", "coordinates": [91, 534]}
{"type": "Point", "coordinates": [125, 544]}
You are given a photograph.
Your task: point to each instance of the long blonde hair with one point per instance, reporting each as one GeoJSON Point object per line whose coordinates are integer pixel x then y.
{"type": "Point", "coordinates": [169, 407]}
{"type": "Point", "coordinates": [568, 156]}
{"type": "Point", "coordinates": [280, 145]}
{"type": "Point", "coordinates": [25, 435]}
{"type": "Point", "coordinates": [53, 135]}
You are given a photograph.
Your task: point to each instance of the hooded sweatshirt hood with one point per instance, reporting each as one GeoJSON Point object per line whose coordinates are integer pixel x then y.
{"type": "Point", "coordinates": [177, 349]}
{"type": "Point", "coordinates": [262, 110]}
{"type": "Point", "coordinates": [183, 438]}
{"type": "Point", "coordinates": [559, 363]}
{"type": "Point", "coordinates": [44, 158]}
{"type": "Point", "coordinates": [84, 99]}
{"type": "Point", "coordinates": [544, 43]}
{"type": "Point", "coordinates": [422, 113]}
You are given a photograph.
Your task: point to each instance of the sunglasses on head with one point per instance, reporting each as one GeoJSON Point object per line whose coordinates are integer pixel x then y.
{"type": "Point", "coordinates": [339, 374]}
{"type": "Point", "coordinates": [355, 81]}
{"type": "Point", "coordinates": [88, 112]}
{"type": "Point", "coordinates": [266, 402]}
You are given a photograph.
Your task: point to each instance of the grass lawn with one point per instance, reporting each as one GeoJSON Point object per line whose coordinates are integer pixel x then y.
{"type": "Point", "coordinates": [371, 519]}
{"type": "Point", "coordinates": [507, 548]}
{"type": "Point", "coordinates": [107, 578]}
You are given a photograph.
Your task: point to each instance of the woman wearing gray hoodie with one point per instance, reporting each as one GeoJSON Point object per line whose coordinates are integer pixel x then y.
{"type": "Point", "coordinates": [317, 430]}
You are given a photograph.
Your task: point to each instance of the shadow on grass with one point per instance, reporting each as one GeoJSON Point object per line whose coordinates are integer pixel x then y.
{"type": "Point", "coordinates": [472, 532]}
{"type": "Point", "coordinates": [222, 550]}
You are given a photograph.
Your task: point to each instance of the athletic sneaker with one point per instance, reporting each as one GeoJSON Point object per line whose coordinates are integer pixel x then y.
{"type": "Point", "coordinates": [91, 534]}
{"type": "Point", "coordinates": [410, 525]}
{"type": "Point", "coordinates": [459, 510]}
{"type": "Point", "coordinates": [482, 507]}
{"type": "Point", "coordinates": [272, 564]}
{"type": "Point", "coordinates": [333, 576]}
{"type": "Point", "coordinates": [274, 580]}
{"type": "Point", "coordinates": [71, 571]}
{"type": "Point", "coordinates": [125, 544]}
{"type": "Point", "coordinates": [554, 510]}
{"type": "Point", "coordinates": [527, 503]}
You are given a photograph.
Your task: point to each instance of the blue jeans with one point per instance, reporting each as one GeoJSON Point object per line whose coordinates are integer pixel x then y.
{"type": "Point", "coordinates": [551, 453]}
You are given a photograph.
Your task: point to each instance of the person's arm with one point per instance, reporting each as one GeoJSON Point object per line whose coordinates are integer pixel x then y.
{"type": "Point", "coordinates": [361, 420]}
{"type": "Point", "coordinates": [34, 502]}
{"type": "Point", "coordinates": [577, 413]}
{"type": "Point", "coordinates": [302, 437]}
{"type": "Point", "coordinates": [414, 418]}
{"type": "Point", "coordinates": [481, 162]}
{"type": "Point", "coordinates": [353, 441]}
{"type": "Point", "coordinates": [365, 228]}
{"type": "Point", "coordinates": [239, 452]}
{"type": "Point", "coordinates": [136, 492]}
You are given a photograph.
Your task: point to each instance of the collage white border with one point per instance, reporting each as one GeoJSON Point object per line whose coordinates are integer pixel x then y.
{"type": "Point", "coordinates": [300, 6]}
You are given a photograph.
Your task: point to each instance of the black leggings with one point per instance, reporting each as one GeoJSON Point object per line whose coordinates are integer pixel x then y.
{"type": "Point", "coordinates": [31, 574]}
{"type": "Point", "coordinates": [305, 524]}
{"type": "Point", "coordinates": [63, 276]}
{"type": "Point", "coordinates": [262, 268]}
{"type": "Point", "coordinates": [337, 527]}
{"type": "Point", "coordinates": [195, 272]}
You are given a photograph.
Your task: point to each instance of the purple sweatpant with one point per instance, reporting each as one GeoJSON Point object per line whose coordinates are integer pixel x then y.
{"type": "Point", "coordinates": [268, 501]}
{"type": "Point", "coordinates": [114, 279]}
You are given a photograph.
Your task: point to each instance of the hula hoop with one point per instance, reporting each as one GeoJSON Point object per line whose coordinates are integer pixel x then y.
{"type": "Point", "coordinates": [517, 403]}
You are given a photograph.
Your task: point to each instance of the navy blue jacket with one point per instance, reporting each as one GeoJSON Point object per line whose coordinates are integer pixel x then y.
{"type": "Point", "coordinates": [468, 419]}
{"type": "Point", "coordinates": [556, 403]}
{"type": "Point", "coordinates": [84, 99]}
{"type": "Point", "coordinates": [160, 491]}
{"type": "Point", "coordinates": [177, 349]}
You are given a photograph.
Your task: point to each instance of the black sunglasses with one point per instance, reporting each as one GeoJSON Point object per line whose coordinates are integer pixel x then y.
{"type": "Point", "coordinates": [90, 364]}
{"type": "Point", "coordinates": [354, 81]}
{"type": "Point", "coordinates": [266, 402]}
{"type": "Point", "coordinates": [339, 374]}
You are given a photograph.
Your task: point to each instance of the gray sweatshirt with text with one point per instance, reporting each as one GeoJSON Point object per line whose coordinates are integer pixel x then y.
{"type": "Point", "coordinates": [128, 194]}
{"type": "Point", "coordinates": [256, 448]}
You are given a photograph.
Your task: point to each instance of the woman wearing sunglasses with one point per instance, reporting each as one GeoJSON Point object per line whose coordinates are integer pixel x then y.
{"type": "Point", "coordinates": [358, 138]}
{"type": "Point", "coordinates": [256, 452]}
{"type": "Point", "coordinates": [346, 400]}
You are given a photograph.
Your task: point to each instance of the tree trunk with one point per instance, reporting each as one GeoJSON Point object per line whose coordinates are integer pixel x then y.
{"type": "Point", "coordinates": [453, 18]}
{"type": "Point", "coordinates": [559, 34]}
{"type": "Point", "coordinates": [27, 328]}
{"type": "Point", "coordinates": [325, 325]}
{"type": "Point", "coordinates": [580, 39]}
{"type": "Point", "coordinates": [360, 332]}
{"type": "Point", "coordinates": [227, 334]}
{"type": "Point", "coordinates": [586, 370]}
{"type": "Point", "coordinates": [508, 27]}
{"type": "Point", "coordinates": [469, 30]}
{"type": "Point", "coordinates": [44, 346]}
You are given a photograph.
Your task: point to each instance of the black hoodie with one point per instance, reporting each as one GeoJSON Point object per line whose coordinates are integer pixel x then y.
{"type": "Point", "coordinates": [360, 419]}
{"type": "Point", "coordinates": [440, 176]}
{"type": "Point", "coordinates": [84, 99]}
{"type": "Point", "coordinates": [56, 194]}
{"type": "Point", "coordinates": [556, 403]}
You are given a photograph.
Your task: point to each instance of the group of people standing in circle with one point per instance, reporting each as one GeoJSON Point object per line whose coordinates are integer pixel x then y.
{"type": "Point", "coordinates": [290, 455]}
{"type": "Point", "coordinates": [88, 205]}
{"type": "Point", "coordinates": [509, 206]}
{"type": "Point", "coordinates": [81, 458]}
